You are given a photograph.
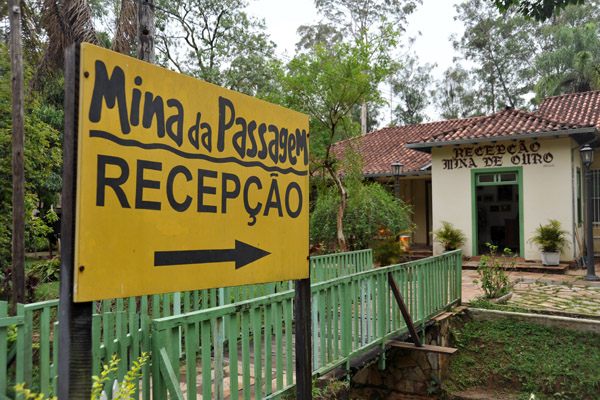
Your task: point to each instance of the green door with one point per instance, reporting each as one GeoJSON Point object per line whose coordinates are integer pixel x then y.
{"type": "Point", "coordinates": [497, 204]}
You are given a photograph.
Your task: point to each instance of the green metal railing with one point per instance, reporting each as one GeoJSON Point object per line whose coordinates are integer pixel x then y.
{"type": "Point", "coordinates": [330, 266]}
{"type": "Point", "coordinates": [123, 326]}
{"type": "Point", "coordinates": [245, 349]}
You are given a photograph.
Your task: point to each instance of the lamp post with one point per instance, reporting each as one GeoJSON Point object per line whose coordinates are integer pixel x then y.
{"type": "Point", "coordinates": [587, 157]}
{"type": "Point", "coordinates": [396, 171]}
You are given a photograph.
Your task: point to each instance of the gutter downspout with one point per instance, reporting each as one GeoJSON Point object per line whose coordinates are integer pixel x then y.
{"type": "Point", "coordinates": [573, 202]}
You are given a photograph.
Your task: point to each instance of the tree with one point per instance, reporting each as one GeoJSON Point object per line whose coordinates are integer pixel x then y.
{"type": "Point", "coordinates": [365, 20]}
{"type": "Point", "coordinates": [327, 84]}
{"type": "Point", "coordinates": [455, 96]}
{"type": "Point", "coordinates": [573, 65]}
{"type": "Point", "coordinates": [502, 48]}
{"type": "Point", "coordinates": [410, 85]}
{"type": "Point", "coordinates": [376, 23]}
{"type": "Point", "coordinates": [218, 43]}
{"type": "Point", "coordinates": [42, 163]}
{"type": "Point", "coordinates": [540, 10]}
{"type": "Point", "coordinates": [64, 22]}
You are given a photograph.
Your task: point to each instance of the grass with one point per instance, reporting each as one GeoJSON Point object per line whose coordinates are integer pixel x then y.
{"type": "Point", "coordinates": [523, 358]}
{"type": "Point", "coordinates": [47, 291]}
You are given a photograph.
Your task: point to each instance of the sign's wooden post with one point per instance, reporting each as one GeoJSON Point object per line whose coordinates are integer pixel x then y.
{"type": "Point", "coordinates": [75, 326]}
{"type": "Point", "coordinates": [303, 346]}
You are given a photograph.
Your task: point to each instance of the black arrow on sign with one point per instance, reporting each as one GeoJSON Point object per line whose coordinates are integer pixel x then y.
{"type": "Point", "coordinates": [242, 254]}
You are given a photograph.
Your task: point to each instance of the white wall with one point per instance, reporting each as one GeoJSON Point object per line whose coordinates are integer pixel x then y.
{"type": "Point", "coordinates": [547, 173]}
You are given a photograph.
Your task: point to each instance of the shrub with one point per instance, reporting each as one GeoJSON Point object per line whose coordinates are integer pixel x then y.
{"type": "Point", "coordinates": [370, 208]}
{"type": "Point", "coordinates": [550, 237]}
{"type": "Point", "coordinates": [449, 237]}
{"type": "Point", "coordinates": [493, 279]}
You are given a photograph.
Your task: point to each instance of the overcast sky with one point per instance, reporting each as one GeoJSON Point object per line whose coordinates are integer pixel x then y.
{"type": "Point", "coordinates": [431, 25]}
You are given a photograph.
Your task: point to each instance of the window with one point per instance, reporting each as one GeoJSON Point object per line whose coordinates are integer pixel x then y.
{"type": "Point", "coordinates": [497, 179]}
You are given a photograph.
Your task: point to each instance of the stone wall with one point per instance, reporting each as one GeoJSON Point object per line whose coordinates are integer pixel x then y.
{"type": "Point", "coordinates": [409, 371]}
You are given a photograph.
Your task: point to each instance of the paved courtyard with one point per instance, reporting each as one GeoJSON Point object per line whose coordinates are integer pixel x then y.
{"type": "Point", "coordinates": [568, 293]}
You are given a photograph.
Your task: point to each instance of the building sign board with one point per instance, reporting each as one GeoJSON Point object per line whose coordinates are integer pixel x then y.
{"type": "Point", "coordinates": [514, 153]}
{"type": "Point", "coordinates": [183, 185]}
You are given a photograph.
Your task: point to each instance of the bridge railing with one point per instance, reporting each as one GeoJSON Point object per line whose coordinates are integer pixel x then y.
{"type": "Point", "coordinates": [355, 313]}
{"type": "Point", "coordinates": [245, 349]}
{"type": "Point", "coordinates": [122, 327]}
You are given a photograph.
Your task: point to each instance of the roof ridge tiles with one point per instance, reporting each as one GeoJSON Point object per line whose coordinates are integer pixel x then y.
{"type": "Point", "coordinates": [569, 94]}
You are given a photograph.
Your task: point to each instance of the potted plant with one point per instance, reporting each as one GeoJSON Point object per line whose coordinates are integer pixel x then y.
{"type": "Point", "coordinates": [449, 237]}
{"type": "Point", "coordinates": [551, 239]}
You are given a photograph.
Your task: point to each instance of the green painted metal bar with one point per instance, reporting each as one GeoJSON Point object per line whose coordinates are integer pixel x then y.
{"type": "Point", "coordinates": [289, 345]}
{"type": "Point", "coordinates": [28, 337]}
{"type": "Point", "coordinates": [268, 339]}
{"type": "Point", "coordinates": [246, 354]}
{"type": "Point", "coordinates": [168, 375]}
{"type": "Point", "coordinates": [121, 326]}
{"type": "Point", "coordinates": [44, 343]}
{"type": "Point", "coordinates": [322, 332]}
{"type": "Point", "coordinates": [278, 309]}
{"type": "Point", "coordinates": [233, 356]}
{"type": "Point", "coordinates": [191, 348]}
{"type": "Point", "coordinates": [20, 372]}
{"type": "Point", "coordinates": [205, 329]}
{"type": "Point", "coordinates": [315, 328]}
{"type": "Point", "coordinates": [145, 345]}
{"type": "Point", "coordinates": [335, 317]}
{"type": "Point", "coordinates": [218, 340]}
{"type": "Point", "coordinates": [256, 322]}
{"type": "Point", "coordinates": [54, 366]}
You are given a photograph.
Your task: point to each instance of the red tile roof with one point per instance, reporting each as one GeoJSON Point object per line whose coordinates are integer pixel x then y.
{"type": "Point", "coordinates": [507, 122]}
{"type": "Point", "coordinates": [383, 147]}
{"type": "Point", "coordinates": [556, 115]}
{"type": "Point", "coordinates": [582, 108]}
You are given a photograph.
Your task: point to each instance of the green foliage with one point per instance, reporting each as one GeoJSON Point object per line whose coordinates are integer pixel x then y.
{"type": "Point", "coordinates": [571, 62]}
{"type": "Point", "coordinates": [125, 389]}
{"type": "Point", "coordinates": [449, 237]}
{"type": "Point", "coordinates": [370, 209]}
{"type": "Point", "coordinates": [526, 358]}
{"type": "Point", "coordinates": [28, 394]}
{"type": "Point", "coordinates": [510, 56]}
{"type": "Point", "coordinates": [550, 237]}
{"type": "Point", "coordinates": [411, 83]}
{"type": "Point", "coordinates": [46, 271]}
{"type": "Point", "coordinates": [536, 9]}
{"type": "Point", "coordinates": [500, 48]}
{"type": "Point", "coordinates": [386, 250]}
{"type": "Point", "coordinates": [493, 279]}
{"type": "Point", "coordinates": [327, 83]}
{"type": "Point", "coordinates": [216, 41]}
{"type": "Point", "coordinates": [456, 94]}
{"type": "Point", "coordinates": [43, 158]}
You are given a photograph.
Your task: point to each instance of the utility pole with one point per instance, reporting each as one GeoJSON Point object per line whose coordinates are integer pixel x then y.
{"type": "Point", "coordinates": [363, 118]}
{"type": "Point", "coordinates": [18, 163]}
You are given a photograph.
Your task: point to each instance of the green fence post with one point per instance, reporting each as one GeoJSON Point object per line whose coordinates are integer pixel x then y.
{"type": "Point", "coordinates": [20, 371]}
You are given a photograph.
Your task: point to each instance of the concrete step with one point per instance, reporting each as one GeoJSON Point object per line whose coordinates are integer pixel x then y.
{"type": "Point", "coordinates": [524, 267]}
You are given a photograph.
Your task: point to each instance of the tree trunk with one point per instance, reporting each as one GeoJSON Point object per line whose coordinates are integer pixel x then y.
{"type": "Point", "coordinates": [146, 31]}
{"type": "Point", "coordinates": [341, 211]}
{"type": "Point", "coordinates": [18, 163]}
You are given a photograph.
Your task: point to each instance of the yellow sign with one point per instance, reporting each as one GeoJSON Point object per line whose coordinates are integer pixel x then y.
{"type": "Point", "coordinates": [183, 185]}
